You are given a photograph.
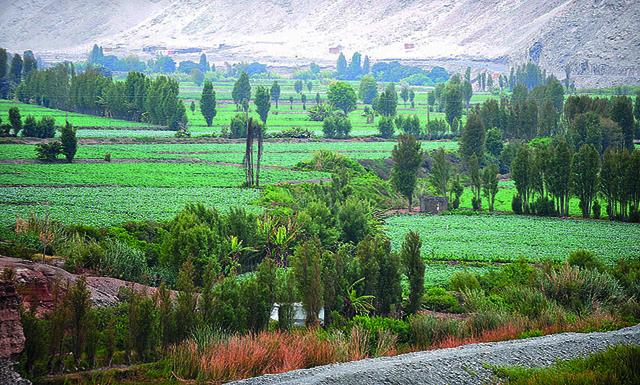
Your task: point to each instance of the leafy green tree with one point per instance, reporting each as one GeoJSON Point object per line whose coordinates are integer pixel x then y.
{"type": "Point", "coordinates": [473, 138]}
{"type": "Point", "coordinates": [142, 324]}
{"type": "Point", "coordinates": [309, 85]}
{"type": "Point", "coordinates": [475, 177]}
{"type": "Point", "coordinates": [440, 172]}
{"type": "Point", "coordinates": [386, 103]}
{"type": "Point", "coordinates": [291, 102]}
{"type": "Point", "coordinates": [414, 267]}
{"type": "Point", "coordinates": [493, 142]}
{"type": "Point", "coordinates": [307, 268]}
{"type": "Point", "coordinates": [208, 103]}
{"type": "Point", "coordinates": [622, 113]}
{"type": "Point", "coordinates": [78, 304]}
{"type": "Point", "coordinates": [228, 306]}
{"type": "Point", "coordinates": [342, 96]}
{"type": "Point", "coordinates": [15, 71]}
{"type": "Point", "coordinates": [336, 125]}
{"type": "Point", "coordinates": [386, 127]}
{"type": "Point", "coordinates": [15, 120]}
{"type": "Point", "coordinates": [407, 159]}
{"type": "Point", "coordinates": [203, 63]}
{"type": "Point", "coordinates": [4, 79]}
{"type": "Point", "coordinates": [30, 127]}
{"type": "Point", "coordinates": [166, 317]}
{"type": "Point", "coordinates": [490, 184]}
{"type": "Point", "coordinates": [636, 107]}
{"type": "Point", "coordinates": [241, 93]}
{"type": "Point", "coordinates": [275, 93]}
{"type": "Point", "coordinates": [354, 69]}
{"type": "Point", "coordinates": [521, 174]}
{"type": "Point", "coordinates": [366, 65]}
{"type": "Point", "coordinates": [467, 92]}
{"type": "Point", "coordinates": [259, 294]}
{"type": "Point", "coordinates": [303, 99]}
{"type": "Point", "coordinates": [30, 63]}
{"type": "Point", "coordinates": [559, 178]}
{"type": "Point", "coordinates": [69, 141]}
{"type": "Point", "coordinates": [318, 98]}
{"type": "Point", "coordinates": [197, 77]}
{"type": "Point", "coordinates": [354, 220]}
{"type": "Point", "coordinates": [404, 94]}
{"type": "Point", "coordinates": [186, 301]}
{"type": "Point", "coordinates": [297, 86]}
{"type": "Point", "coordinates": [380, 269]}
{"type": "Point", "coordinates": [452, 95]}
{"type": "Point", "coordinates": [263, 105]}
{"type": "Point", "coordinates": [368, 89]}
{"type": "Point", "coordinates": [341, 66]}
{"type": "Point", "coordinates": [412, 97]}
{"type": "Point", "coordinates": [586, 167]}
{"type": "Point", "coordinates": [586, 129]}
{"type": "Point", "coordinates": [192, 107]}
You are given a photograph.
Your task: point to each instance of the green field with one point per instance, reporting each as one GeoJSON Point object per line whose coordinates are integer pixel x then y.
{"type": "Point", "coordinates": [501, 238]}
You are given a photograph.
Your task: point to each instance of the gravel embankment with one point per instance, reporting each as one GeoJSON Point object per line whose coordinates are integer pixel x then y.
{"type": "Point", "coordinates": [462, 365]}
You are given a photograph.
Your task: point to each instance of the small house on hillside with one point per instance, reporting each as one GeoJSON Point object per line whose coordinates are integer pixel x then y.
{"type": "Point", "coordinates": [433, 205]}
{"type": "Point", "coordinates": [299, 314]}
{"type": "Point", "coordinates": [335, 50]}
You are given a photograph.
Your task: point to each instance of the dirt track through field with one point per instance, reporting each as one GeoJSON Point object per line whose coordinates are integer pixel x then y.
{"type": "Point", "coordinates": [470, 364]}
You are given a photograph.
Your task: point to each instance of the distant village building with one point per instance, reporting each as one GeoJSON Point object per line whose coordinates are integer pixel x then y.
{"type": "Point", "coordinates": [299, 315]}
{"type": "Point", "coordinates": [335, 50]}
{"type": "Point", "coordinates": [409, 46]}
{"type": "Point", "coordinates": [433, 205]}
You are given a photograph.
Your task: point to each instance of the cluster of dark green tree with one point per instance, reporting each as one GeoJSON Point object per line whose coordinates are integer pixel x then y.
{"type": "Point", "coordinates": [548, 173]}
{"type": "Point", "coordinates": [138, 98]}
{"type": "Point", "coordinates": [396, 72]}
{"type": "Point", "coordinates": [13, 69]}
{"type": "Point", "coordinates": [353, 70]}
{"type": "Point", "coordinates": [28, 127]}
{"type": "Point", "coordinates": [112, 63]}
{"type": "Point", "coordinates": [67, 145]}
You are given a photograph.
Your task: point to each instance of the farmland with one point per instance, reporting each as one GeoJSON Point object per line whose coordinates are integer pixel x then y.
{"type": "Point", "coordinates": [503, 238]}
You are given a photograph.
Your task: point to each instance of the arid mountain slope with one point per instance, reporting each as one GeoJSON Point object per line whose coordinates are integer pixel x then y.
{"type": "Point", "coordinates": [594, 36]}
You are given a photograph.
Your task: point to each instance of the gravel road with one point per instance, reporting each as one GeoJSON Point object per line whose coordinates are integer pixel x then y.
{"type": "Point", "coordinates": [462, 365]}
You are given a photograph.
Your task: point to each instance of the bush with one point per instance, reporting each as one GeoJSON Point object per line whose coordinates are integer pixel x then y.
{"type": "Point", "coordinates": [107, 157]}
{"type": "Point", "coordinates": [79, 252]}
{"type": "Point", "coordinates": [464, 280]}
{"type": "Point", "coordinates": [526, 301]}
{"type": "Point", "coordinates": [485, 320]}
{"type": "Point", "coordinates": [374, 325]}
{"type": "Point", "coordinates": [330, 161]}
{"type": "Point", "coordinates": [48, 151]}
{"type": "Point", "coordinates": [627, 272]}
{"type": "Point", "coordinates": [293, 132]}
{"type": "Point", "coordinates": [427, 330]}
{"type": "Point", "coordinates": [580, 289]}
{"type": "Point", "coordinates": [585, 259]}
{"type": "Point", "coordinates": [238, 127]}
{"type": "Point", "coordinates": [386, 127]}
{"type": "Point", "coordinates": [125, 262]}
{"type": "Point", "coordinates": [319, 112]}
{"type": "Point", "coordinates": [337, 125]}
{"type": "Point", "coordinates": [438, 299]}
{"type": "Point", "coordinates": [618, 365]}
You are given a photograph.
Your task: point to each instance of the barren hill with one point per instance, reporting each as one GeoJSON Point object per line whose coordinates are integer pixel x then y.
{"type": "Point", "coordinates": [596, 37]}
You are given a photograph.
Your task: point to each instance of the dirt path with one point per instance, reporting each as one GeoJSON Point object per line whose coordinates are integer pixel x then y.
{"type": "Point", "coordinates": [468, 364]}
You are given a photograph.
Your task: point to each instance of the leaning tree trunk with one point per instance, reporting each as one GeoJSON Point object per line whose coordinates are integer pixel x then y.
{"type": "Point", "coordinates": [259, 131]}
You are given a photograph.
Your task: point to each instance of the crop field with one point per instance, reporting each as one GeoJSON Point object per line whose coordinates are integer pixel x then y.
{"type": "Point", "coordinates": [105, 206]}
{"type": "Point", "coordinates": [502, 238]}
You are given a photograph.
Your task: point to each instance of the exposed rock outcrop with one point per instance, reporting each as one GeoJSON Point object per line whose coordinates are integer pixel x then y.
{"type": "Point", "coordinates": [11, 335]}
{"type": "Point", "coordinates": [36, 284]}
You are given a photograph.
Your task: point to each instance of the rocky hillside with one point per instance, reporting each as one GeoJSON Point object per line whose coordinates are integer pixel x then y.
{"type": "Point", "coordinates": [596, 37]}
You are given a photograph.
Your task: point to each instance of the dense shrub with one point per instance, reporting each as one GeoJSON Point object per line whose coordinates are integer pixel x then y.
{"type": "Point", "coordinates": [386, 127]}
{"type": "Point", "coordinates": [293, 132]}
{"type": "Point", "coordinates": [464, 280]}
{"type": "Point", "coordinates": [580, 289]}
{"type": "Point", "coordinates": [438, 299]}
{"type": "Point", "coordinates": [627, 272]}
{"type": "Point", "coordinates": [125, 262]}
{"type": "Point", "coordinates": [337, 125]}
{"type": "Point", "coordinates": [79, 252]}
{"type": "Point", "coordinates": [427, 330]}
{"type": "Point", "coordinates": [330, 161]}
{"type": "Point", "coordinates": [48, 151]}
{"type": "Point", "coordinates": [585, 259]}
{"type": "Point", "coordinates": [618, 365]}
{"type": "Point", "coordinates": [319, 112]}
{"type": "Point", "coordinates": [238, 126]}
{"type": "Point", "coordinates": [374, 325]}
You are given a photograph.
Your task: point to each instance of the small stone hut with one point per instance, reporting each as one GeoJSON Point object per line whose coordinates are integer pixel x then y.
{"type": "Point", "coordinates": [433, 205]}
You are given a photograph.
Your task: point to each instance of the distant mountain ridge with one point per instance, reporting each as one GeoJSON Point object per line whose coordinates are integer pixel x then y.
{"type": "Point", "coordinates": [595, 37]}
